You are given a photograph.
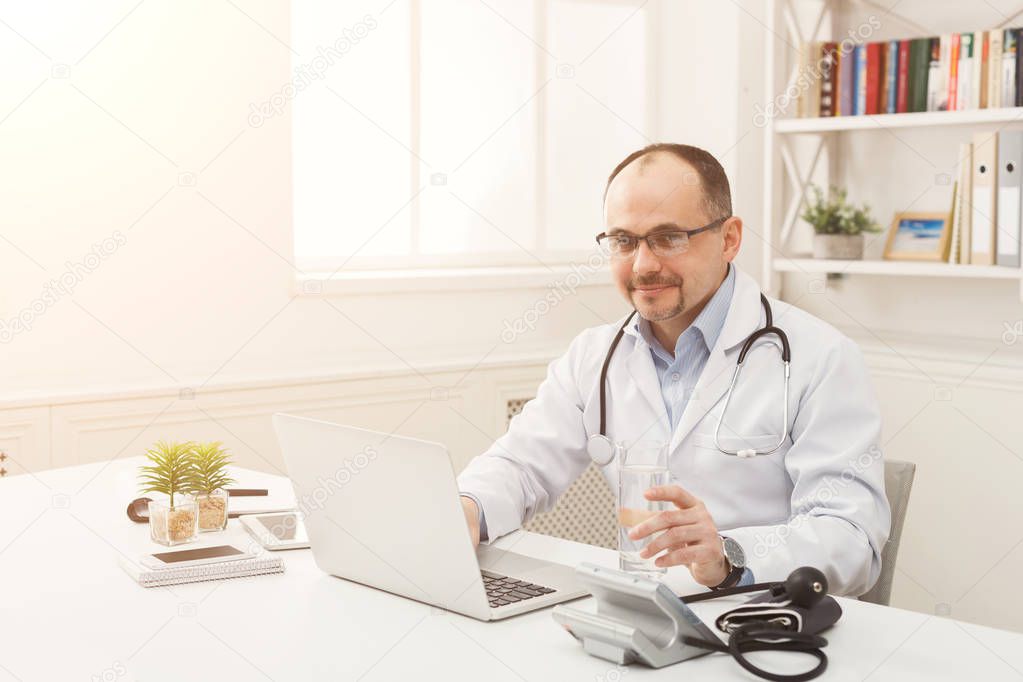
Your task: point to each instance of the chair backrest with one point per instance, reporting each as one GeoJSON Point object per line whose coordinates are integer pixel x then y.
{"type": "Point", "coordinates": [585, 513]}
{"type": "Point", "coordinates": [898, 482]}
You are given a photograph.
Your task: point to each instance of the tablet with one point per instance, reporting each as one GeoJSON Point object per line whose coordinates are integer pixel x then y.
{"type": "Point", "coordinates": [281, 530]}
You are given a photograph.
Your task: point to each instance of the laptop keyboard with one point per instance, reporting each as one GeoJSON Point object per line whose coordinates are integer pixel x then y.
{"type": "Point", "coordinates": [503, 590]}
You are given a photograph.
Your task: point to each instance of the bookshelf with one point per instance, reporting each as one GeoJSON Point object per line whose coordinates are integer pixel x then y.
{"type": "Point", "coordinates": [788, 174]}
{"type": "Point", "coordinates": [922, 119]}
{"type": "Point", "coordinates": [896, 268]}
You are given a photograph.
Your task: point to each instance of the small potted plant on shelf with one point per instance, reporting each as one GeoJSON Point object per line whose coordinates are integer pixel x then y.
{"type": "Point", "coordinates": [838, 225]}
{"type": "Point", "coordinates": [209, 484]}
{"type": "Point", "coordinates": [171, 473]}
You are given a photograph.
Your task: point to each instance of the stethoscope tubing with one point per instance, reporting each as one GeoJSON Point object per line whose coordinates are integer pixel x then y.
{"type": "Point", "coordinates": [601, 449]}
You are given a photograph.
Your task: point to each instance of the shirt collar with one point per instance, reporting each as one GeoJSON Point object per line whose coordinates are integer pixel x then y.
{"type": "Point", "coordinates": [709, 322]}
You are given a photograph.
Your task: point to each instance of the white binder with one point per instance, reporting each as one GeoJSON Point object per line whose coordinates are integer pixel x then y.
{"type": "Point", "coordinates": [985, 186]}
{"type": "Point", "coordinates": [1010, 197]}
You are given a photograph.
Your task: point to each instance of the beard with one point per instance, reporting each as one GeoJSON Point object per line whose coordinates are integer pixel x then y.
{"type": "Point", "coordinates": [661, 306]}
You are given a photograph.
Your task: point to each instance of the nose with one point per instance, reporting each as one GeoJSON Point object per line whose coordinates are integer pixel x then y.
{"type": "Point", "coordinates": [645, 260]}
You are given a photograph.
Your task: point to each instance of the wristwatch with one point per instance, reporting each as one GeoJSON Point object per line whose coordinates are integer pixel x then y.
{"type": "Point", "coordinates": [736, 559]}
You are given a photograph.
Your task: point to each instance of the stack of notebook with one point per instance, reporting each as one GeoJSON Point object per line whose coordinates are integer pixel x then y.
{"type": "Point", "coordinates": [240, 568]}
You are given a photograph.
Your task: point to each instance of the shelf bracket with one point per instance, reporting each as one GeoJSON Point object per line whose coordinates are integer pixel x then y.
{"type": "Point", "coordinates": [796, 202]}
{"type": "Point", "coordinates": [909, 23]}
{"type": "Point", "coordinates": [796, 36]}
{"type": "Point", "coordinates": [1011, 18]}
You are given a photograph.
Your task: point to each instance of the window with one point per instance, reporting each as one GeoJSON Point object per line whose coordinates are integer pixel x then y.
{"type": "Point", "coordinates": [462, 132]}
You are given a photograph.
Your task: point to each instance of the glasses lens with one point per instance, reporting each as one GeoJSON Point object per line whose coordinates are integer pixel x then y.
{"type": "Point", "coordinates": [669, 243]}
{"type": "Point", "coordinates": [620, 244]}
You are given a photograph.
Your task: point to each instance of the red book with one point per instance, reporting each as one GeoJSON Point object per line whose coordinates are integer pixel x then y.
{"type": "Point", "coordinates": [873, 78]}
{"type": "Point", "coordinates": [902, 85]}
{"type": "Point", "coordinates": [953, 73]}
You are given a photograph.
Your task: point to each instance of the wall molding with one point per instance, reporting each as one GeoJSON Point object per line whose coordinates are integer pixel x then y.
{"type": "Point", "coordinates": [954, 361]}
{"type": "Point", "coordinates": [46, 431]}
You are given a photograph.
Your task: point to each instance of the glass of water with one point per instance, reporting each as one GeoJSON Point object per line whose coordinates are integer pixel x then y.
{"type": "Point", "coordinates": [643, 465]}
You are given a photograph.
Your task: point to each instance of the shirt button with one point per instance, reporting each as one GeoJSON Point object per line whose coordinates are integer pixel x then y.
{"type": "Point", "coordinates": [675, 376]}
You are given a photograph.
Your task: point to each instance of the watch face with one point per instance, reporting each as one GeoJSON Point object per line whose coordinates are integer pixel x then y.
{"type": "Point", "coordinates": [733, 550]}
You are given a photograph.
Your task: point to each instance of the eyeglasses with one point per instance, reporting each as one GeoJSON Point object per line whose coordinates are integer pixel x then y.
{"type": "Point", "coordinates": [662, 244]}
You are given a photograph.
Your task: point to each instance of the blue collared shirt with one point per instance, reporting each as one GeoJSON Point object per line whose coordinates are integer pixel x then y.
{"type": "Point", "coordinates": [678, 374]}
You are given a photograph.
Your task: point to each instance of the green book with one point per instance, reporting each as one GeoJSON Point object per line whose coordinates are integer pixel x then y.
{"type": "Point", "coordinates": [919, 66]}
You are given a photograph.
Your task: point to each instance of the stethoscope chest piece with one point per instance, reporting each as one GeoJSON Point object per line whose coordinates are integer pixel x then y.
{"type": "Point", "coordinates": [600, 449]}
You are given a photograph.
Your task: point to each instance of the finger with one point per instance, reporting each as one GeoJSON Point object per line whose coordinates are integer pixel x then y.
{"type": "Point", "coordinates": [673, 538]}
{"type": "Point", "coordinates": [662, 520]}
{"type": "Point", "coordinates": [672, 493]}
{"type": "Point", "coordinates": [685, 556]}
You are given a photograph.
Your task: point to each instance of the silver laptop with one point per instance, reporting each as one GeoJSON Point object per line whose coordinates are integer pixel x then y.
{"type": "Point", "coordinates": [384, 511]}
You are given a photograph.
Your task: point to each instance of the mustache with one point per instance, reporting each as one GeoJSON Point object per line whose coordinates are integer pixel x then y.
{"type": "Point", "coordinates": [641, 282]}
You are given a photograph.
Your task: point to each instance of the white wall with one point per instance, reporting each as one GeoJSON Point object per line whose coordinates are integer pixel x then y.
{"type": "Point", "coordinates": [201, 288]}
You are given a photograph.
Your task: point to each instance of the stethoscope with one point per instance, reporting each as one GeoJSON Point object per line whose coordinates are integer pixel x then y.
{"type": "Point", "coordinates": [602, 450]}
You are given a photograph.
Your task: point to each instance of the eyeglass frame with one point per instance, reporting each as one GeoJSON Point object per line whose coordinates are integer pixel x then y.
{"type": "Point", "coordinates": [644, 238]}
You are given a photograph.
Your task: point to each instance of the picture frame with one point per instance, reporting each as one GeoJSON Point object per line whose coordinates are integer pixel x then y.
{"type": "Point", "coordinates": [919, 236]}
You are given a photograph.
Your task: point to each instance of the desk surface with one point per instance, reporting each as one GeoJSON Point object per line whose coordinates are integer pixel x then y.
{"type": "Point", "coordinates": [69, 612]}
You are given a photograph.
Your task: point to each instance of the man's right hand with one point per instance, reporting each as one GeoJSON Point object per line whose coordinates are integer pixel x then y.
{"type": "Point", "coordinates": [472, 519]}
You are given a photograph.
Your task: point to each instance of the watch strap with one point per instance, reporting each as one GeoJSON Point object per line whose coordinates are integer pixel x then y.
{"type": "Point", "coordinates": [732, 579]}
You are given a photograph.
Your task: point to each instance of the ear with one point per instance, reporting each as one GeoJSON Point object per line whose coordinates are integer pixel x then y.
{"type": "Point", "coordinates": [731, 231]}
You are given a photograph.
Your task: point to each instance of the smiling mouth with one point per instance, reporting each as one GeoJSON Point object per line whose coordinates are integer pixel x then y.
{"type": "Point", "coordinates": [652, 290]}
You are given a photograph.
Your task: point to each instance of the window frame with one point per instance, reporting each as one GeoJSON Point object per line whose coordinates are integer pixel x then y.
{"type": "Point", "coordinates": [530, 268]}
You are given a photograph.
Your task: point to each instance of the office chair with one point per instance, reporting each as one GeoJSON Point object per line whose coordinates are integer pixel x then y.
{"type": "Point", "coordinates": [898, 482]}
{"type": "Point", "coordinates": [585, 513]}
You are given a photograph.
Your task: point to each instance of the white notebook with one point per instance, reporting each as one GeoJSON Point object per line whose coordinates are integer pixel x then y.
{"type": "Point", "coordinates": [240, 568]}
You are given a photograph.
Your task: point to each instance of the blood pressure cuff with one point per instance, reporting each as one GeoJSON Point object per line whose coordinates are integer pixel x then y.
{"type": "Point", "coordinates": [782, 615]}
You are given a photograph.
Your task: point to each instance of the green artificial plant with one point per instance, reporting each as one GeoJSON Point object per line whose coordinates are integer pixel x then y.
{"type": "Point", "coordinates": [171, 470]}
{"type": "Point", "coordinates": [209, 461]}
{"type": "Point", "coordinates": [835, 215]}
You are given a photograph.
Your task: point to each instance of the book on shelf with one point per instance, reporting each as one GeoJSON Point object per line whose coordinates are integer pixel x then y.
{"type": "Point", "coordinates": [957, 207]}
{"type": "Point", "coordinates": [902, 84]}
{"type": "Point", "coordinates": [828, 81]}
{"type": "Point", "coordinates": [891, 76]}
{"type": "Point", "coordinates": [951, 72]}
{"type": "Point", "coordinates": [1008, 93]}
{"type": "Point", "coordinates": [846, 83]}
{"type": "Point", "coordinates": [919, 64]}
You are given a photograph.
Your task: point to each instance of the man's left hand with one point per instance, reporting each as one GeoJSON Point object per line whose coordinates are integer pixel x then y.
{"type": "Point", "coordinates": [690, 536]}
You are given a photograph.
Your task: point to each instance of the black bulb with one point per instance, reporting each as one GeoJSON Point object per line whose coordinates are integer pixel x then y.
{"type": "Point", "coordinates": [806, 586]}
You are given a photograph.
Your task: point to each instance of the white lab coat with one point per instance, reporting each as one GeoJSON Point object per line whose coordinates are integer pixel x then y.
{"type": "Point", "coordinates": [819, 500]}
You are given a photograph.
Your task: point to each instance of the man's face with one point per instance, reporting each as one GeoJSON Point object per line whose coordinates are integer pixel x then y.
{"type": "Point", "coordinates": [666, 195]}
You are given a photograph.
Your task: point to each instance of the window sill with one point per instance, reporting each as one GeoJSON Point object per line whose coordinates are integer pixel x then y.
{"type": "Point", "coordinates": [363, 282]}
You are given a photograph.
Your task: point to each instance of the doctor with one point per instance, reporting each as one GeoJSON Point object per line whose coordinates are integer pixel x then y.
{"type": "Point", "coordinates": [816, 500]}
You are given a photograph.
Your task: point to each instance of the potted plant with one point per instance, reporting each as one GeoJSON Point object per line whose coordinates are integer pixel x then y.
{"type": "Point", "coordinates": [838, 226]}
{"type": "Point", "coordinates": [170, 472]}
{"type": "Point", "coordinates": [209, 484]}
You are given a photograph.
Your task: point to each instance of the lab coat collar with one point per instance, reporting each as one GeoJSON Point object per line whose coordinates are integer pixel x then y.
{"type": "Point", "coordinates": [744, 317]}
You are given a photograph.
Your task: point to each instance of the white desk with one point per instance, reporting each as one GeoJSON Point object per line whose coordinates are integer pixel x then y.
{"type": "Point", "coordinates": [68, 612]}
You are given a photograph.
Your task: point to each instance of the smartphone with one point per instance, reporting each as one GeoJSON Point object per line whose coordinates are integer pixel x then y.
{"type": "Point", "coordinates": [277, 531]}
{"type": "Point", "coordinates": [194, 557]}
